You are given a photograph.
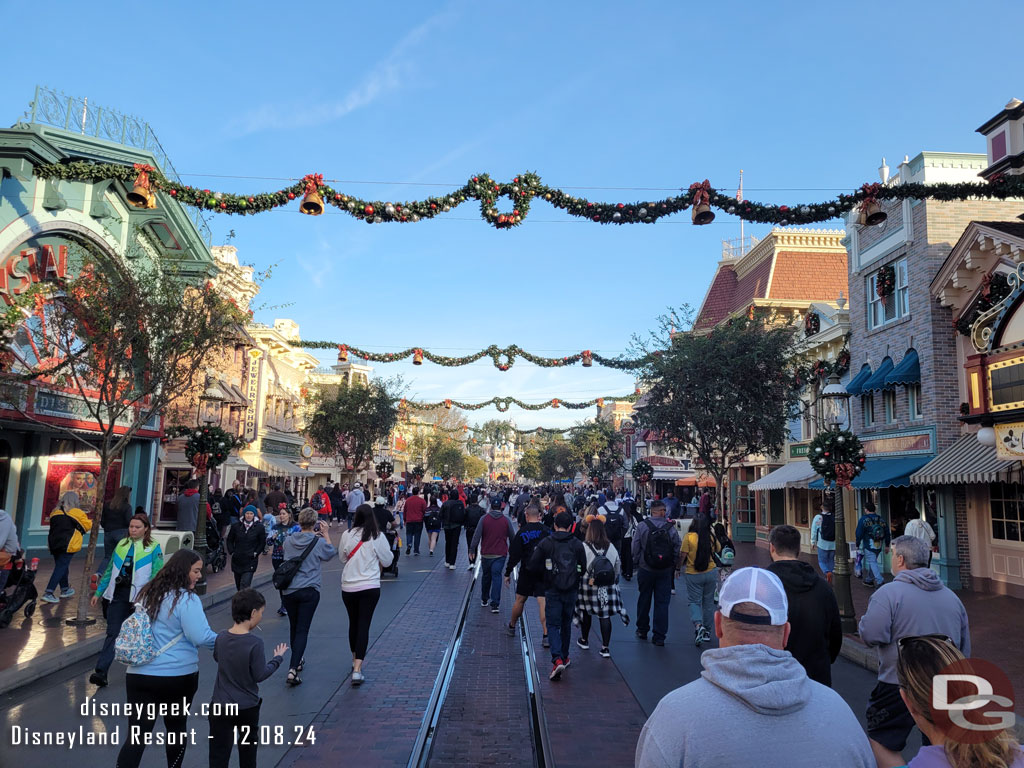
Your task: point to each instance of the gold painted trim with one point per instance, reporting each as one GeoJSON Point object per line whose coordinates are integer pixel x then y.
{"type": "Point", "coordinates": [988, 377]}
{"type": "Point", "coordinates": [975, 390]}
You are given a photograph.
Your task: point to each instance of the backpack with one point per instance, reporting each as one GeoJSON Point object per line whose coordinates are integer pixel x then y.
{"type": "Point", "coordinates": [614, 523]}
{"type": "Point", "coordinates": [565, 573]}
{"type": "Point", "coordinates": [659, 553]}
{"type": "Point", "coordinates": [828, 527]}
{"type": "Point", "coordinates": [876, 532]}
{"type": "Point", "coordinates": [601, 571]}
{"type": "Point", "coordinates": [432, 518]}
{"type": "Point", "coordinates": [458, 514]}
{"type": "Point", "coordinates": [317, 502]}
{"type": "Point", "coordinates": [135, 644]}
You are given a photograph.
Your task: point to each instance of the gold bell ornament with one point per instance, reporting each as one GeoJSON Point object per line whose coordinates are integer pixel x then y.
{"type": "Point", "coordinates": [142, 195]}
{"type": "Point", "coordinates": [312, 203]}
{"type": "Point", "coordinates": [417, 357]}
{"type": "Point", "coordinates": [588, 358]}
{"type": "Point", "coordinates": [342, 353]}
{"type": "Point", "coordinates": [871, 214]}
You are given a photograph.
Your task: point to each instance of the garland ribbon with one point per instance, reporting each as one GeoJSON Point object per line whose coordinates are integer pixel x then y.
{"type": "Point", "coordinates": [504, 403]}
{"type": "Point", "coordinates": [526, 186]}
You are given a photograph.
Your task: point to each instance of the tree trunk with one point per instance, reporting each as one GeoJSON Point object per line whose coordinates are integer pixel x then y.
{"type": "Point", "coordinates": [84, 592]}
{"type": "Point", "coordinates": [720, 495]}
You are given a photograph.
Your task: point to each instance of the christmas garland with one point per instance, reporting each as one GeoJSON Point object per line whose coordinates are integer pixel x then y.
{"type": "Point", "coordinates": [994, 288]}
{"type": "Point", "coordinates": [502, 357]}
{"type": "Point", "coordinates": [384, 469]}
{"type": "Point", "coordinates": [315, 194]}
{"type": "Point", "coordinates": [812, 324]}
{"type": "Point", "coordinates": [207, 447]}
{"type": "Point", "coordinates": [822, 369]}
{"type": "Point", "coordinates": [504, 403]}
{"type": "Point", "coordinates": [837, 456]}
{"type": "Point", "coordinates": [642, 471]}
{"type": "Point", "coordinates": [418, 471]}
{"type": "Point", "coordinates": [885, 282]}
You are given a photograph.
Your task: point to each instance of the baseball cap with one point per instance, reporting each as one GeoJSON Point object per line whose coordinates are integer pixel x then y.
{"type": "Point", "coordinates": [757, 586]}
{"type": "Point", "coordinates": [358, 485]}
{"type": "Point", "coordinates": [380, 501]}
{"type": "Point", "coordinates": [496, 501]}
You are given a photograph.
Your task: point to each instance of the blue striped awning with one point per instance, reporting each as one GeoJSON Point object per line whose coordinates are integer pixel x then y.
{"type": "Point", "coordinates": [857, 382]}
{"type": "Point", "coordinates": [884, 473]}
{"type": "Point", "coordinates": [907, 372]}
{"type": "Point", "coordinates": [877, 381]}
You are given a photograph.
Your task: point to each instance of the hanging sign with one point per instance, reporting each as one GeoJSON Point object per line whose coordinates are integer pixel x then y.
{"type": "Point", "coordinates": [1010, 440]}
{"type": "Point", "coordinates": [252, 385]}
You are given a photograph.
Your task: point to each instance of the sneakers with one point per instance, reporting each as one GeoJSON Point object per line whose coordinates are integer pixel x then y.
{"type": "Point", "coordinates": [69, 592]}
{"type": "Point", "coordinates": [700, 636]}
{"type": "Point", "coordinates": [605, 653]}
{"type": "Point", "coordinates": [484, 603]}
{"type": "Point", "coordinates": [98, 678]}
{"type": "Point", "coordinates": [706, 634]}
{"type": "Point", "coordinates": [494, 609]}
{"type": "Point", "coordinates": [408, 551]}
{"type": "Point", "coordinates": [281, 611]}
{"type": "Point", "coordinates": [641, 635]}
{"type": "Point", "coordinates": [584, 644]}
{"type": "Point", "coordinates": [544, 642]}
{"type": "Point", "coordinates": [431, 553]}
{"type": "Point", "coordinates": [511, 630]}
{"type": "Point", "coordinates": [660, 642]}
{"type": "Point", "coordinates": [556, 670]}
{"type": "Point", "coordinates": [357, 679]}
{"type": "Point", "coordinates": [49, 597]}
{"type": "Point", "coordinates": [471, 566]}
{"type": "Point", "coordinates": [673, 591]}
{"type": "Point", "coordinates": [417, 554]}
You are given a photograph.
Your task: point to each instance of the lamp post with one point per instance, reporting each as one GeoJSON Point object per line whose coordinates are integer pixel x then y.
{"type": "Point", "coordinates": [210, 408]}
{"type": "Point", "coordinates": [836, 404]}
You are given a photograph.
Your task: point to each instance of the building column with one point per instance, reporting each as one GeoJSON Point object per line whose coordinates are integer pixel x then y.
{"type": "Point", "coordinates": [948, 560]}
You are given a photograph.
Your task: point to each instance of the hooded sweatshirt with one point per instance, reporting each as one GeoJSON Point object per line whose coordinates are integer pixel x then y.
{"type": "Point", "coordinates": [309, 574]}
{"type": "Point", "coordinates": [816, 635]}
{"type": "Point", "coordinates": [757, 707]}
{"type": "Point", "coordinates": [8, 533]}
{"type": "Point", "coordinates": [916, 602]}
{"type": "Point", "coordinates": [188, 510]}
{"type": "Point", "coordinates": [494, 533]}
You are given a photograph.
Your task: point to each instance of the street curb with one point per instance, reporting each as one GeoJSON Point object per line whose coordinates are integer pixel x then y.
{"type": "Point", "coordinates": [854, 650]}
{"type": "Point", "coordinates": [48, 663]}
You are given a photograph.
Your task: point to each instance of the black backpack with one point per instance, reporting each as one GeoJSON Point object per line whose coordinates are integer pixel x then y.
{"type": "Point", "coordinates": [828, 526]}
{"type": "Point", "coordinates": [457, 515]}
{"type": "Point", "coordinates": [432, 517]}
{"type": "Point", "coordinates": [565, 569]}
{"type": "Point", "coordinates": [316, 503]}
{"type": "Point", "coordinates": [601, 570]}
{"type": "Point", "coordinates": [614, 523]}
{"type": "Point", "coordinates": [659, 552]}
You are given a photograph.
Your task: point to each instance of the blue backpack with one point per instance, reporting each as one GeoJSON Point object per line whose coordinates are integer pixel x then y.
{"type": "Point", "coordinates": [135, 644]}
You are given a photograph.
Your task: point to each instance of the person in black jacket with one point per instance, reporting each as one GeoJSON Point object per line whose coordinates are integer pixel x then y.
{"type": "Point", "coordinates": [816, 634]}
{"type": "Point", "coordinates": [528, 584]}
{"type": "Point", "coordinates": [117, 513]}
{"type": "Point", "coordinates": [246, 540]}
{"type": "Point", "coordinates": [453, 517]}
{"type": "Point", "coordinates": [474, 512]}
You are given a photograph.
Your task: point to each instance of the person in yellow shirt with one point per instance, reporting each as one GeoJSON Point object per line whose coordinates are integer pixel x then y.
{"type": "Point", "coordinates": [699, 549]}
{"type": "Point", "coordinates": [68, 526]}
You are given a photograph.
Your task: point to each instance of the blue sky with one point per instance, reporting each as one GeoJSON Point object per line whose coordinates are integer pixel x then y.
{"type": "Point", "coordinates": [805, 97]}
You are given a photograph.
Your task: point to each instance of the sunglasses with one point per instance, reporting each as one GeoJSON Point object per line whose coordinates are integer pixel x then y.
{"type": "Point", "coordinates": [904, 641]}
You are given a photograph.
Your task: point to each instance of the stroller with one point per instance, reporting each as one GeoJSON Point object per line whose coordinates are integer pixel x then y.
{"type": "Point", "coordinates": [395, 543]}
{"type": "Point", "coordinates": [21, 589]}
{"type": "Point", "coordinates": [218, 553]}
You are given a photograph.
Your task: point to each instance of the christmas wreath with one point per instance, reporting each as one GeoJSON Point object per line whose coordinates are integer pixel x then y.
{"type": "Point", "coordinates": [812, 324]}
{"type": "Point", "coordinates": [207, 447]}
{"type": "Point", "coordinates": [642, 471]}
{"type": "Point", "coordinates": [384, 469]}
{"type": "Point", "coordinates": [994, 288]}
{"type": "Point", "coordinates": [885, 281]}
{"type": "Point", "coordinates": [837, 456]}
{"type": "Point", "coordinates": [418, 471]}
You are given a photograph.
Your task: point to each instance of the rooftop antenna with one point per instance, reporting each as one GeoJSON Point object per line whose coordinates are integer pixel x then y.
{"type": "Point", "coordinates": [85, 108]}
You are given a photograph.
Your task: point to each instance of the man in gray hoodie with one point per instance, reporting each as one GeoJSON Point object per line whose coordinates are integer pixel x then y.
{"type": "Point", "coordinates": [914, 603]}
{"type": "Point", "coordinates": [8, 545]}
{"type": "Point", "coordinates": [756, 704]}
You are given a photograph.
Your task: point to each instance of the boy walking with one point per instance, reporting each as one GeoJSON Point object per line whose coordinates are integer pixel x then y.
{"type": "Point", "coordinates": [241, 666]}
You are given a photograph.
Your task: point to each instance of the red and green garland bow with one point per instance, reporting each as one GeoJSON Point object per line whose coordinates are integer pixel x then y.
{"type": "Point", "coordinates": [837, 456]}
{"type": "Point", "coordinates": [207, 447]}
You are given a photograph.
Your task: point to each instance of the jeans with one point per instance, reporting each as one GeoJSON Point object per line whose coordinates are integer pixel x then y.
{"type": "Point", "coordinates": [360, 606]}
{"type": "Point", "coordinates": [451, 544]}
{"type": "Point", "coordinates": [243, 580]}
{"type": "Point", "coordinates": [491, 574]}
{"type": "Point", "coordinates": [110, 540]}
{"type": "Point", "coordinates": [117, 612]}
{"type": "Point", "coordinates": [154, 689]}
{"type": "Point", "coordinates": [222, 737]}
{"type": "Point", "coordinates": [413, 531]}
{"type": "Point", "coordinates": [871, 563]}
{"type": "Point", "coordinates": [626, 556]}
{"type": "Point", "coordinates": [700, 590]}
{"type": "Point", "coordinates": [826, 560]}
{"type": "Point", "coordinates": [656, 584]}
{"type": "Point", "coordinates": [301, 605]}
{"type": "Point", "coordinates": [558, 610]}
{"type": "Point", "coordinates": [61, 566]}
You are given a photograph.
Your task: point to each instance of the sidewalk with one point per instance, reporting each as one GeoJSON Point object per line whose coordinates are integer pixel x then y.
{"type": "Point", "coordinates": [994, 620]}
{"type": "Point", "coordinates": [33, 648]}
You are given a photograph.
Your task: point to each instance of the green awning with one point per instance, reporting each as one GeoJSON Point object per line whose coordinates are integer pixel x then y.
{"type": "Point", "coordinates": [857, 382]}
{"type": "Point", "coordinates": [907, 372]}
{"type": "Point", "coordinates": [877, 381]}
{"type": "Point", "coordinates": [884, 472]}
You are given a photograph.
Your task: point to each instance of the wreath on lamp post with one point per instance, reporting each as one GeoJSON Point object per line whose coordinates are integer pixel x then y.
{"type": "Point", "coordinates": [207, 447]}
{"type": "Point", "coordinates": [418, 471]}
{"type": "Point", "coordinates": [642, 471]}
{"type": "Point", "coordinates": [384, 469]}
{"type": "Point", "coordinates": [885, 282]}
{"type": "Point", "coordinates": [838, 456]}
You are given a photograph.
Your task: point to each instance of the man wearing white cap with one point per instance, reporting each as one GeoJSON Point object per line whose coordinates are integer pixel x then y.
{"type": "Point", "coordinates": [757, 705]}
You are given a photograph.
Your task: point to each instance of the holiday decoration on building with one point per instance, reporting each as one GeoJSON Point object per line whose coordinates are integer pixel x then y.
{"type": "Point", "coordinates": [503, 404]}
{"type": "Point", "coordinates": [642, 471]}
{"type": "Point", "coordinates": [836, 456]}
{"type": "Point", "coordinates": [384, 469]}
{"type": "Point", "coordinates": [142, 195]}
{"type": "Point", "coordinates": [994, 288]}
{"type": "Point", "coordinates": [885, 281]}
{"type": "Point", "coordinates": [812, 324]}
{"type": "Point", "coordinates": [418, 471]}
{"type": "Point", "coordinates": [207, 447]}
{"type": "Point", "coordinates": [316, 192]}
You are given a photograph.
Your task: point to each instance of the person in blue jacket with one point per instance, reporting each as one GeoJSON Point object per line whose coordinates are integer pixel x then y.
{"type": "Point", "coordinates": [873, 536]}
{"type": "Point", "coordinates": [170, 680]}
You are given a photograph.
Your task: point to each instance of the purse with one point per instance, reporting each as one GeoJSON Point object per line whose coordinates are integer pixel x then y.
{"type": "Point", "coordinates": [287, 570]}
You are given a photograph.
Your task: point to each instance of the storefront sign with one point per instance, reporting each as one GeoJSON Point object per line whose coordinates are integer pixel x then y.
{"type": "Point", "coordinates": [279, 448]}
{"type": "Point", "coordinates": [36, 261]}
{"type": "Point", "coordinates": [1010, 440]}
{"type": "Point", "coordinates": [915, 442]}
{"type": "Point", "coordinates": [799, 450]}
{"type": "Point", "coordinates": [668, 461]}
{"type": "Point", "coordinates": [628, 428]}
{"type": "Point", "coordinates": [252, 391]}
{"type": "Point", "coordinates": [73, 408]}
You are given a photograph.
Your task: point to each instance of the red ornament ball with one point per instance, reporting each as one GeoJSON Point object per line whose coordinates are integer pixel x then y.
{"type": "Point", "coordinates": [337, 196]}
{"type": "Point", "coordinates": [622, 205]}
{"type": "Point", "coordinates": [291, 195]}
{"type": "Point", "coordinates": [597, 218]}
{"type": "Point", "coordinates": [252, 199]}
{"type": "Point", "coordinates": [223, 205]}
{"type": "Point", "coordinates": [368, 210]}
{"type": "Point", "coordinates": [174, 193]}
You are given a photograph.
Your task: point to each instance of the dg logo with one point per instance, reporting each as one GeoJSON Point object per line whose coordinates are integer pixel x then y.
{"type": "Point", "coordinates": [972, 700]}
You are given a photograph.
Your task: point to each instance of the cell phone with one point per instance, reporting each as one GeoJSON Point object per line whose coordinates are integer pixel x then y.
{"type": "Point", "coordinates": [316, 527]}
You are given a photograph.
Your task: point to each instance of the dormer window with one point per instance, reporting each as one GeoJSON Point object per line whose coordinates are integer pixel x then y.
{"type": "Point", "coordinates": [998, 147]}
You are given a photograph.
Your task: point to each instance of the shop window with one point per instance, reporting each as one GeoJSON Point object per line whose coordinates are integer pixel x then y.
{"type": "Point", "coordinates": [914, 402]}
{"type": "Point", "coordinates": [889, 404]}
{"type": "Point", "coordinates": [867, 406]}
{"type": "Point", "coordinates": [882, 310]}
{"type": "Point", "coordinates": [1007, 507]}
{"type": "Point", "coordinates": [803, 502]}
{"type": "Point", "coordinates": [175, 481]}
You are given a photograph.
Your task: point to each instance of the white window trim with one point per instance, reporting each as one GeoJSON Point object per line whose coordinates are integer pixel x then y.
{"type": "Point", "coordinates": [914, 402]}
{"type": "Point", "coordinates": [873, 299]}
{"type": "Point", "coordinates": [903, 235]}
{"type": "Point", "coordinates": [889, 399]}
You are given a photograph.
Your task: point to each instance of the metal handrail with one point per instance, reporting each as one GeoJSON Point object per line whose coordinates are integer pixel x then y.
{"type": "Point", "coordinates": [542, 740]}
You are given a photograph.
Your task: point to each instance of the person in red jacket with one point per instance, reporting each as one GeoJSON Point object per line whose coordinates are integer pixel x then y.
{"type": "Point", "coordinates": [415, 507]}
{"type": "Point", "coordinates": [321, 502]}
{"type": "Point", "coordinates": [494, 532]}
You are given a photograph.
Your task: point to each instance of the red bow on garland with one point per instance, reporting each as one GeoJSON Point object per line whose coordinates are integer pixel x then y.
{"type": "Point", "coordinates": [845, 474]}
{"type": "Point", "coordinates": [313, 182]}
{"type": "Point", "coordinates": [700, 193]}
{"type": "Point", "coordinates": [871, 193]}
{"type": "Point", "coordinates": [199, 461]}
{"type": "Point", "coordinates": [144, 171]}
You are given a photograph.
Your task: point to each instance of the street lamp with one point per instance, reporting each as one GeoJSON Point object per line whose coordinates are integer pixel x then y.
{"type": "Point", "coordinates": [210, 410]}
{"type": "Point", "coordinates": [836, 407]}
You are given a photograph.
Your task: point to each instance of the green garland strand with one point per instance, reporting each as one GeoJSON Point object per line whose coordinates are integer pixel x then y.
{"type": "Point", "coordinates": [523, 189]}
{"type": "Point", "coordinates": [504, 403]}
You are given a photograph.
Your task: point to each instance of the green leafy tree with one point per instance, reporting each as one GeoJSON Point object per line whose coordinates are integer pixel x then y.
{"type": "Point", "coordinates": [529, 464]}
{"type": "Point", "coordinates": [447, 459]}
{"type": "Point", "coordinates": [723, 395]}
{"type": "Point", "coordinates": [473, 467]}
{"type": "Point", "coordinates": [596, 438]}
{"type": "Point", "coordinates": [556, 454]}
{"type": "Point", "coordinates": [348, 420]}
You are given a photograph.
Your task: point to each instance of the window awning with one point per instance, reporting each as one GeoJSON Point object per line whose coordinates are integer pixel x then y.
{"type": "Point", "coordinates": [232, 396]}
{"type": "Point", "coordinates": [884, 473]}
{"type": "Point", "coordinates": [877, 380]}
{"type": "Point", "coordinates": [907, 372]}
{"type": "Point", "coordinates": [702, 482]}
{"type": "Point", "coordinates": [855, 387]}
{"type": "Point", "coordinates": [795, 474]}
{"type": "Point", "coordinates": [966, 461]}
{"type": "Point", "coordinates": [274, 465]}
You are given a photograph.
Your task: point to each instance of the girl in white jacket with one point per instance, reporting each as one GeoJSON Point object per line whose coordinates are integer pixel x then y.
{"type": "Point", "coordinates": [363, 551]}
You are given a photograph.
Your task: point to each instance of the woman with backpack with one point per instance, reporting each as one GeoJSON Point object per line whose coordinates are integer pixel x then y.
{"type": "Point", "coordinates": [134, 561]}
{"type": "Point", "coordinates": [68, 526]}
{"type": "Point", "coordinates": [699, 548]}
{"type": "Point", "coordinates": [432, 522]}
{"type": "Point", "coordinates": [180, 629]}
{"type": "Point", "coordinates": [599, 596]}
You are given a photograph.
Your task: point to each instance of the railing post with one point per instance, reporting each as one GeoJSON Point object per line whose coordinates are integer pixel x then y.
{"type": "Point", "coordinates": [35, 104]}
{"type": "Point", "coordinates": [67, 115]}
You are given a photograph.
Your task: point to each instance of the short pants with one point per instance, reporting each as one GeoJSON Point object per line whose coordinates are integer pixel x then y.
{"type": "Point", "coordinates": [888, 719]}
{"type": "Point", "coordinates": [529, 585]}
